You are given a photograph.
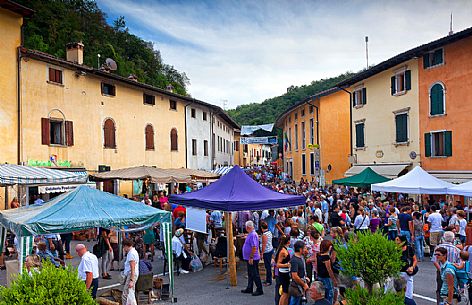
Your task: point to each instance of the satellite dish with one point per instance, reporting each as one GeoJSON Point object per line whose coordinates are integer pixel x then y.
{"type": "Point", "coordinates": [111, 64]}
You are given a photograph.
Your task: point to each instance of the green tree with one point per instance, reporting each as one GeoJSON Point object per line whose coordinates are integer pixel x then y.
{"type": "Point", "coordinates": [371, 257]}
{"type": "Point", "coordinates": [50, 286]}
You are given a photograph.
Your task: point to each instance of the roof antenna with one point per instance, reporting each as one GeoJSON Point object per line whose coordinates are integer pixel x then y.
{"type": "Point", "coordinates": [367, 50]}
{"type": "Point", "coordinates": [450, 26]}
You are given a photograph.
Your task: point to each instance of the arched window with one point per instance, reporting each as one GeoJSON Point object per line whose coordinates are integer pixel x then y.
{"type": "Point", "coordinates": [149, 133]}
{"type": "Point", "coordinates": [436, 99]}
{"type": "Point", "coordinates": [109, 134]}
{"type": "Point", "coordinates": [173, 140]}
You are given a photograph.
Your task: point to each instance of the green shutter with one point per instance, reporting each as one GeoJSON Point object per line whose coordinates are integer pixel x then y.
{"type": "Point", "coordinates": [427, 144]}
{"type": "Point", "coordinates": [393, 90]}
{"type": "Point", "coordinates": [364, 96]}
{"type": "Point", "coordinates": [401, 124]}
{"type": "Point", "coordinates": [360, 135]}
{"type": "Point", "coordinates": [448, 143]}
{"type": "Point", "coordinates": [437, 100]}
{"type": "Point", "coordinates": [438, 57]}
{"type": "Point", "coordinates": [408, 79]}
{"type": "Point", "coordinates": [426, 60]}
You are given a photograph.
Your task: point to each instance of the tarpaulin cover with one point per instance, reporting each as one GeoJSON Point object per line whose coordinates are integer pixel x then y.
{"type": "Point", "coordinates": [236, 191]}
{"type": "Point", "coordinates": [464, 189]}
{"type": "Point", "coordinates": [363, 179]}
{"type": "Point", "coordinates": [418, 181]}
{"type": "Point", "coordinates": [80, 209]}
{"type": "Point", "coordinates": [19, 174]}
{"type": "Point", "coordinates": [247, 130]}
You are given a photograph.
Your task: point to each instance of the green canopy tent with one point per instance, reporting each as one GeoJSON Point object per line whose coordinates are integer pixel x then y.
{"type": "Point", "coordinates": [364, 179]}
{"type": "Point", "coordinates": [82, 208]}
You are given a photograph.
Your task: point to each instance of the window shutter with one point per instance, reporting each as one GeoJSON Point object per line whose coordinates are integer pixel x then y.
{"type": "Point", "coordinates": [59, 76]}
{"type": "Point", "coordinates": [364, 96]}
{"type": "Point", "coordinates": [408, 79]}
{"type": "Point", "coordinates": [52, 75]}
{"type": "Point", "coordinates": [360, 135]}
{"type": "Point", "coordinates": [45, 131]}
{"type": "Point", "coordinates": [398, 128]}
{"type": "Point", "coordinates": [427, 144]}
{"type": "Point", "coordinates": [149, 137]}
{"type": "Point", "coordinates": [425, 60]}
{"type": "Point", "coordinates": [438, 57]}
{"type": "Point", "coordinates": [448, 143]}
{"type": "Point", "coordinates": [69, 133]}
{"type": "Point", "coordinates": [393, 89]}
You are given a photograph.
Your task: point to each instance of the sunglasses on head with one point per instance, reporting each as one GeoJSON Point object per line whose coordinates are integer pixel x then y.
{"type": "Point", "coordinates": [438, 254]}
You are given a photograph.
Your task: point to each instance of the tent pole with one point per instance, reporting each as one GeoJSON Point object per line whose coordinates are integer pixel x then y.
{"type": "Point", "coordinates": [233, 281]}
{"type": "Point", "coordinates": [6, 197]}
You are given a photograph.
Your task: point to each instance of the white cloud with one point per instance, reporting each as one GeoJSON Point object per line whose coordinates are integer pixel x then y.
{"type": "Point", "coordinates": [247, 51]}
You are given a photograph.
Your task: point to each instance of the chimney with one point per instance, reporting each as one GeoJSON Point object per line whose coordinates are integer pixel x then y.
{"type": "Point", "coordinates": [75, 52]}
{"type": "Point", "coordinates": [170, 88]}
{"type": "Point", "coordinates": [133, 77]}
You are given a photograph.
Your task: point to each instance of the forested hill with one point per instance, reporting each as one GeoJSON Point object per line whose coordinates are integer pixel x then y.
{"type": "Point", "coordinates": [268, 111]}
{"type": "Point", "coordinates": [58, 22]}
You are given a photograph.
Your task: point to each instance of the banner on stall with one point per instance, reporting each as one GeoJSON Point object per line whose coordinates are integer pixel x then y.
{"type": "Point", "coordinates": [196, 220]}
{"type": "Point", "coordinates": [259, 140]}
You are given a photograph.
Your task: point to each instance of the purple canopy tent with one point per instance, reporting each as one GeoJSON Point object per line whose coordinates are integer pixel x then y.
{"type": "Point", "coordinates": [236, 191]}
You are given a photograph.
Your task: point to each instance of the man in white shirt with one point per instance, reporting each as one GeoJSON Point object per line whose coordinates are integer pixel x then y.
{"type": "Point", "coordinates": [435, 227]}
{"type": "Point", "coordinates": [88, 268]}
{"type": "Point", "coordinates": [131, 270]}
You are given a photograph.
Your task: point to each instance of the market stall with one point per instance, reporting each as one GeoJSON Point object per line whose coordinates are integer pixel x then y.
{"type": "Point", "coordinates": [236, 191]}
{"type": "Point", "coordinates": [364, 179]}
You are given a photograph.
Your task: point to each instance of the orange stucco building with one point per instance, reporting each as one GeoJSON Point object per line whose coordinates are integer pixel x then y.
{"type": "Point", "coordinates": [317, 137]}
{"type": "Point", "coordinates": [445, 79]}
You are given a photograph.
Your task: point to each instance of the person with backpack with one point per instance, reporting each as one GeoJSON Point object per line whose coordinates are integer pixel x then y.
{"type": "Point", "coordinates": [449, 291]}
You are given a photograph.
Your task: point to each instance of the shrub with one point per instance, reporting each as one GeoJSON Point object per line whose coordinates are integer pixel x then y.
{"type": "Point", "coordinates": [371, 257]}
{"type": "Point", "coordinates": [361, 296]}
{"type": "Point", "coordinates": [51, 286]}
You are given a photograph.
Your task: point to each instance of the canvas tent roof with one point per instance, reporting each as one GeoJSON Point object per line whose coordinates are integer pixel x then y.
{"type": "Point", "coordinates": [365, 178]}
{"type": "Point", "coordinates": [236, 191]}
{"type": "Point", "coordinates": [464, 189]}
{"type": "Point", "coordinates": [159, 175]}
{"type": "Point", "coordinates": [80, 209]}
{"type": "Point", "coordinates": [11, 174]}
{"type": "Point", "coordinates": [417, 181]}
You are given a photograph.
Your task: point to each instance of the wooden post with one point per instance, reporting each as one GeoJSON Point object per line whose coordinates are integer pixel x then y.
{"type": "Point", "coordinates": [233, 281]}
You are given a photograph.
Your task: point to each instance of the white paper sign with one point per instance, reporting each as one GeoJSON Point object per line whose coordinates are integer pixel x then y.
{"type": "Point", "coordinates": [196, 219]}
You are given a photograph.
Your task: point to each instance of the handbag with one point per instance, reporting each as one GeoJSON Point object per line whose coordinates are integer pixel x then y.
{"type": "Point", "coordinates": [294, 290]}
{"type": "Point", "coordinates": [414, 272]}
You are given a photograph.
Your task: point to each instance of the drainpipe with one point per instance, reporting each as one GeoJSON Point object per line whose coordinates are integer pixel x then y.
{"type": "Point", "coordinates": [19, 146]}
{"type": "Point", "coordinates": [186, 135]}
{"type": "Point", "coordinates": [350, 117]}
{"type": "Point", "coordinates": [212, 154]}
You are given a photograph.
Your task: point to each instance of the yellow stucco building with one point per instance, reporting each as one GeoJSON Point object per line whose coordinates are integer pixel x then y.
{"type": "Point", "coordinates": [316, 137]}
{"type": "Point", "coordinates": [385, 117]}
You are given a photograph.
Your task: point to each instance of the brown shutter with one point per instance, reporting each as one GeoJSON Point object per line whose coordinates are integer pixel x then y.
{"type": "Point", "coordinates": [45, 131]}
{"type": "Point", "coordinates": [69, 133]}
{"type": "Point", "coordinates": [59, 76]}
{"type": "Point", "coordinates": [52, 75]}
{"type": "Point", "coordinates": [149, 132]}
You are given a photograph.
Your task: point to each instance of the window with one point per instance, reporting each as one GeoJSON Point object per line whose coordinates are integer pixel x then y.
{"type": "Point", "coordinates": [296, 137]}
{"type": "Point", "coordinates": [401, 82]}
{"type": "Point", "coordinates": [433, 58]}
{"type": "Point", "coordinates": [302, 112]}
{"type": "Point", "coordinates": [303, 164]}
{"type": "Point", "coordinates": [194, 147]}
{"type": "Point", "coordinates": [303, 136]}
{"type": "Point", "coordinates": [57, 131]}
{"type": "Point", "coordinates": [401, 127]}
{"type": "Point", "coordinates": [436, 100]}
{"type": "Point", "coordinates": [438, 144]}
{"type": "Point", "coordinates": [204, 116]}
{"type": "Point", "coordinates": [193, 112]}
{"type": "Point", "coordinates": [149, 99]}
{"type": "Point", "coordinates": [174, 146]}
{"type": "Point", "coordinates": [312, 131]}
{"type": "Point", "coordinates": [359, 97]}
{"type": "Point", "coordinates": [289, 119]}
{"type": "Point", "coordinates": [236, 145]}
{"type": "Point", "coordinates": [109, 130]}
{"type": "Point", "coordinates": [149, 137]}
{"type": "Point", "coordinates": [55, 76]}
{"type": "Point", "coordinates": [312, 164]}
{"type": "Point", "coordinates": [360, 135]}
{"type": "Point", "coordinates": [205, 148]}
{"type": "Point", "coordinates": [108, 89]}
{"type": "Point", "coordinates": [290, 139]}
{"type": "Point", "coordinates": [172, 105]}
{"type": "Point", "coordinates": [296, 116]}
{"type": "Point", "coordinates": [311, 108]}
{"type": "Point", "coordinates": [227, 146]}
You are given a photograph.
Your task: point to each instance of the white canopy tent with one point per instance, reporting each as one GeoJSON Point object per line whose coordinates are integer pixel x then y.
{"type": "Point", "coordinates": [464, 189]}
{"type": "Point", "coordinates": [417, 181]}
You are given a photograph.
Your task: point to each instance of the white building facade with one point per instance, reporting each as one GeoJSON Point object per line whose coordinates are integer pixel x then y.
{"type": "Point", "coordinates": [223, 140]}
{"type": "Point", "coordinates": [199, 134]}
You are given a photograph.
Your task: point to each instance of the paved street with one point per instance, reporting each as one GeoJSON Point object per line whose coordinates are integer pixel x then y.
{"type": "Point", "coordinates": [209, 285]}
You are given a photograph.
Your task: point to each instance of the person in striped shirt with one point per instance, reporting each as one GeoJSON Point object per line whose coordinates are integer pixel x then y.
{"type": "Point", "coordinates": [453, 257]}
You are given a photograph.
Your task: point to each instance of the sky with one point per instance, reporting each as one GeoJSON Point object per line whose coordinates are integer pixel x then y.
{"type": "Point", "coordinates": [240, 52]}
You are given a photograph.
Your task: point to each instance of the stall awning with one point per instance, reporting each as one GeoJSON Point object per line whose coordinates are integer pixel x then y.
{"type": "Point", "coordinates": [11, 174]}
{"type": "Point", "coordinates": [387, 170]}
{"type": "Point", "coordinates": [366, 178]}
{"type": "Point", "coordinates": [61, 188]}
{"type": "Point", "coordinates": [453, 176]}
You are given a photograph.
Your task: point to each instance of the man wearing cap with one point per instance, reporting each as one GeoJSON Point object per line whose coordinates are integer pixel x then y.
{"type": "Point", "coordinates": [178, 247]}
{"type": "Point", "coordinates": [88, 268]}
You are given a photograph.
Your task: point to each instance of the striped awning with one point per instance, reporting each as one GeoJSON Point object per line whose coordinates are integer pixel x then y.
{"type": "Point", "coordinates": [11, 174]}
{"type": "Point", "coordinates": [222, 170]}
